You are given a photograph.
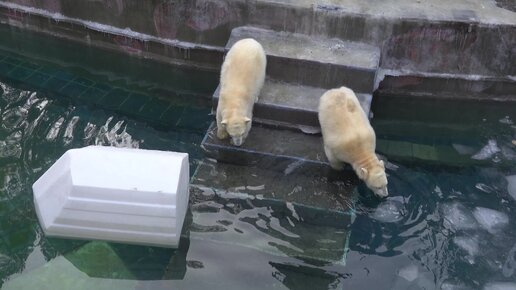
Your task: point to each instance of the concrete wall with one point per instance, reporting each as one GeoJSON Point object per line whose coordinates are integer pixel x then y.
{"type": "Point", "coordinates": [464, 45]}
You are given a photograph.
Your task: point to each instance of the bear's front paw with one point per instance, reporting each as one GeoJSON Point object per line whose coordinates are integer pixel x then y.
{"type": "Point", "coordinates": [222, 134]}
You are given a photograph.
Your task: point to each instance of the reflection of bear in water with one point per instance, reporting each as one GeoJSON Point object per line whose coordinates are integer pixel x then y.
{"type": "Point", "coordinates": [200, 15]}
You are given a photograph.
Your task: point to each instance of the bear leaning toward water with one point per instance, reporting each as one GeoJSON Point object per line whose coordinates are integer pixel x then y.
{"type": "Point", "coordinates": [241, 79]}
{"type": "Point", "coordinates": [348, 137]}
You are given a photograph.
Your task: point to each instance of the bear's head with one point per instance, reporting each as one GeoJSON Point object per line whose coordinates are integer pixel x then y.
{"type": "Point", "coordinates": [237, 128]}
{"type": "Point", "coordinates": [375, 178]}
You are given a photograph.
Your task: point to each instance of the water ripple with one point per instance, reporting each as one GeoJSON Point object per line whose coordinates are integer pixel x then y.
{"type": "Point", "coordinates": [36, 128]}
{"type": "Point", "coordinates": [274, 227]}
{"type": "Point", "coordinates": [28, 118]}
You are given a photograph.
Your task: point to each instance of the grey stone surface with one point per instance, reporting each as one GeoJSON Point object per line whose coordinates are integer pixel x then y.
{"type": "Point", "coordinates": [310, 205]}
{"type": "Point", "coordinates": [244, 221]}
{"type": "Point", "coordinates": [487, 12]}
{"type": "Point", "coordinates": [443, 86]}
{"type": "Point", "coordinates": [120, 38]}
{"type": "Point", "coordinates": [300, 184]}
{"type": "Point", "coordinates": [457, 37]}
{"type": "Point", "coordinates": [291, 104]}
{"type": "Point", "coordinates": [445, 36]}
{"type": "Point", "coordinates": [315, 61]}
{"type": "Point", "coordinates": [268, 147]}
{"type": "Point", "coordinates": [310, 48]}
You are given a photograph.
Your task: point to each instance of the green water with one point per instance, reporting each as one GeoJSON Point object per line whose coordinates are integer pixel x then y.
{"type": "Point", "coordinates": [449, 222]}
{"type": "Point", "coordinates": [39, 125]}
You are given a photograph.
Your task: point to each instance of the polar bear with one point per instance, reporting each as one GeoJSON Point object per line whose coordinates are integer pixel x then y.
{"type": "Point", "coordinates": [241, 79]}
{"type": "Point", "coordinates": [348, 137]}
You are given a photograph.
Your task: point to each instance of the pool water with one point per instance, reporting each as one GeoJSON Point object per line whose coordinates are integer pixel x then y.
{"type": "Point", "coordinates": [447, 224]}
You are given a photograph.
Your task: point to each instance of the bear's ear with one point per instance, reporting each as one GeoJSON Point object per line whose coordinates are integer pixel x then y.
{"type": "Point", "coordinates": [224, 123]}
{"type": "Point", "coordinates": [362, 173]}
{"type": "Point", "coordinates": [247, 120]}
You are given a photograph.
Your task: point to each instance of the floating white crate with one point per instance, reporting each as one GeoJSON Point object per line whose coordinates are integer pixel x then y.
{"type": "Point", "coordinates": [115, 194]}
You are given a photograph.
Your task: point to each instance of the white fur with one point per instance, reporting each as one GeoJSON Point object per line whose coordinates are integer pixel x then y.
{"type": "Point", "coordinates": [349, 138]}
{"type": "Point", "coordinates": [242, 77]}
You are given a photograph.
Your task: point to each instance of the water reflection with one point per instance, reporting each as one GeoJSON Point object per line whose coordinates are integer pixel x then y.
{"type": "Point", "coordinates": [296, 277]}
{"type": "Point", "coordinates": [281, 237]}
{"type": "Point", "coordinates": [452, 233]}
{"type": "Point", "coordinates": [36, 128]}
{"type": "Point", "coordinates": [441, 228]}
{"type": "Point", "coordinates": [270, 226]}
{"type": "Point", "coordinates": [116, 136]}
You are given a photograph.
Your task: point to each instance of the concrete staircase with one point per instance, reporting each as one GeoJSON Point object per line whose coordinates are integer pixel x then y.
{"type": "Point", "coordinates": [300, 69]}
{"type": "Point", "coordinates": [283, 159]}
{"type": "Point", "coordinates": [314, 61]}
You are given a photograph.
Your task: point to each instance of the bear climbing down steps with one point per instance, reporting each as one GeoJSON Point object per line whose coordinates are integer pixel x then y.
{"type": "Point", "coordinates": [349, 138]}
{"type": "Point", "coordinates": [242, 77]}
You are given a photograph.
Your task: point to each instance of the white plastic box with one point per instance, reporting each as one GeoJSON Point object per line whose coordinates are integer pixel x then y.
{"type": "Point", "coordinates": [116, 194]}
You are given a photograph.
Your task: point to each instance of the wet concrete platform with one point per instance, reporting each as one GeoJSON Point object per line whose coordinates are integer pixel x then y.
{"type": "Point", "coordinates": [300, 183]}
{"type": "Point", "coordinates": [267, 145]}
{"type": "Point", "coordinates": [304, 228]}
{"type": "Point", "coordinates": [302, 198]}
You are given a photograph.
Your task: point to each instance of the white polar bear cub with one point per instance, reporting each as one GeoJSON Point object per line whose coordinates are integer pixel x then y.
{"type": "Point", "coordinates": [348, 137]}
{"type": "Point", "coordinates": [241, 79]}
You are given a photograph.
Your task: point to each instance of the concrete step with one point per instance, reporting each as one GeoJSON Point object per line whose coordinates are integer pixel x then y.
{"type": "Point", "coordinates": [246, 214]}
{"type": "Point", "coordinates": [315, 61]}
{"type": "Point", "coordinates": [267, 147]}
{"type": "Point", "coordinates": [311, 205]}
{"type": "Point", "coordinates": [290, 105]}
{"type": "Point", "coordinates": [271, 147]}
{"type": "Point", "coordinates": [302, 183]}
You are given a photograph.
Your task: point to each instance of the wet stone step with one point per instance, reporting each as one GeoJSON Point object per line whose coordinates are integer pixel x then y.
{"type": "Point", "coordinates": [315, 61]}
{"type": "Point", "coordinates": [267, 147]}
{"type": "Point", "coordinates": [290, 105]}
{"type": "Point", "coordinates": [271, 147]}
{"type": "Point", "coordinates": [302, 184]}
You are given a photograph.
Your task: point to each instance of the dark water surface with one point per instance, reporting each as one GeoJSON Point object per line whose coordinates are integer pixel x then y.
{"type": "Point", "coordinates": [448, 224]}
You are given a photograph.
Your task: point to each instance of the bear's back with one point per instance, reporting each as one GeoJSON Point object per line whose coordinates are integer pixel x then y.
{"type": "Point", "coordinates": [243, 70]}
{"type": "Point", "coordinates": [343, 121]}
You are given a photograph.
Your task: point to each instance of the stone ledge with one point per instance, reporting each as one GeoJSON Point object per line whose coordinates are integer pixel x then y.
{"type": "Point", "coordinates": [290, 105]}
{"type": "Point", "coordinates": [315, 61]}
